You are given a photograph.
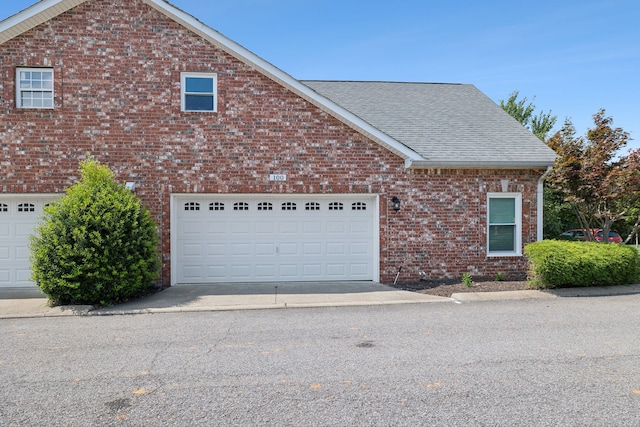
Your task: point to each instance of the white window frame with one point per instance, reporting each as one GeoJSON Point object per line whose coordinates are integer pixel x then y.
{"type": "Point", "coordinates": [20, 90]}
{"type": "Point", "coordinates": [184, 93]}
{"type": "Point", "coordinates": [518, 224]}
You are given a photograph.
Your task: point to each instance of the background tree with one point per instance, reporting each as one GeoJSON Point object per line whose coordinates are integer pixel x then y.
{"type": "Point", "coordinates": [599, 184]}
{"type": "Point", "coordinates": [540, 125]}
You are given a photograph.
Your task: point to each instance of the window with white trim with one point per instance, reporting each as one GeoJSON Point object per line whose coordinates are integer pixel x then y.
{"type": "Point", "coordinates": [504, 228]}
{"type": "Point", "coordinates": [34, 88]}
{"type": "Point", "coordinates": [199, 92]}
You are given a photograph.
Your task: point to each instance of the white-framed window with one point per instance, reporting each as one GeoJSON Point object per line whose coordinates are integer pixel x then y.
{"type": "Point", "coordinates": [504, 227]}
{"type": "Point", "coordinates": [199, 92]}
{"type": "Point", "coordinates": [34, 87]}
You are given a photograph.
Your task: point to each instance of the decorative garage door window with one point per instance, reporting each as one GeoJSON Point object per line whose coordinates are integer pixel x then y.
{"type": "Point", "coordinates": [336, 206]}
{"type": "Point", "coordinates": [312, 206]}
{"type": "Point", "coordinates": [241, 206]}
{"type": "Point", "coordinates": [289, 206]}
{"type": "Point", "coordinates": [359, 206]}
{"type": "Point", "coordinates": [216, 206]}
{"type": "Point", "coordinates": [4, 207]}
{"type": "Point", "coordinates": [192, 206]}
{"type": "Point", "coordinates": [265, 206]}
{"type": "Point", "coordinates": [26, 207]}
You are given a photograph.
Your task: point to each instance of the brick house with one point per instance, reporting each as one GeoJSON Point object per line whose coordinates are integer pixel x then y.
{"type": "Point", "coordinates": [251, 174]}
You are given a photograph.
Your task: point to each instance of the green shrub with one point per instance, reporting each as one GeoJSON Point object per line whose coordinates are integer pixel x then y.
{"type": "Point", "coordinates": [97, 244]}
{"type": "Point", "coordinates": [557, 264]}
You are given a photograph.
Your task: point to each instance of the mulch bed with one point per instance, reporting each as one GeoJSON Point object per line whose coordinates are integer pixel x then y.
{"type": "Point", "coordinates": [447, 287]}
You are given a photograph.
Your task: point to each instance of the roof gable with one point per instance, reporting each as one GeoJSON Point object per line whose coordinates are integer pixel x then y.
{"type": "Point", "coordinates": [464, 130]}
{"type": "Point", "coordinates": [49, 9]}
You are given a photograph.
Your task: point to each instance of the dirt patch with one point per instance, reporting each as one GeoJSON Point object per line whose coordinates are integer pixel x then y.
{"type": "Point", "coordinates": [445, 288]}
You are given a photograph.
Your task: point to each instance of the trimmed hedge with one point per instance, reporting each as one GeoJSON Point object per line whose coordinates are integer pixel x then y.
{"type": "Point", "coordinates": [558, 264]}
{"type": "Point", "coordinates": [97, 245]}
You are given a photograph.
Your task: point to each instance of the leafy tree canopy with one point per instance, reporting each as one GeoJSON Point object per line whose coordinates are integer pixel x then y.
{"type": "Point", "coordinates": [540, 124]}
{"type": "Point", "coordinates": [600, 184]}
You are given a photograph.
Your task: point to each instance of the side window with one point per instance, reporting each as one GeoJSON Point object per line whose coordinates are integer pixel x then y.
{"type": "Point", "coordinates": [199, 92]}
{"type": "Point", "coordinates": [34, 88]}
{"type": "Point", "coordinates": [504, 224]}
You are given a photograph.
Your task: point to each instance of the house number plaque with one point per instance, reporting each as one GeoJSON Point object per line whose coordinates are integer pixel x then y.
{"type": "Point", "coordinates": [277, 177]}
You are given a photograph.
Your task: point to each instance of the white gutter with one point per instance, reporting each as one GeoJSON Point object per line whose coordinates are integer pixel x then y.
{"type": "Point", "coordinates": [469, 164]}
{"type": "Point", "coordinates": [540, 204]}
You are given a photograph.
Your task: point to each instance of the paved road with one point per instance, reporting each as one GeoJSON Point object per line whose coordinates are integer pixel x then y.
{"type": "Point", "coordinates": [557, 362]}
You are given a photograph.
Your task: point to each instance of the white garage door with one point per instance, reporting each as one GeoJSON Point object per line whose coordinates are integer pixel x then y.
{"type": "Point", "coordinates": [274, 238]}
{"type": "Point", "coordinates": [18, 217]}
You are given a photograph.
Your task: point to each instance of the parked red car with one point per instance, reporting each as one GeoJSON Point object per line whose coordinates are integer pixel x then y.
{"type": "Point", "coordinates": [598, 234]}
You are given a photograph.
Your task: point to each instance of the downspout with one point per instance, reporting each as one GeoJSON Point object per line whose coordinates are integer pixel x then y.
{"type": "Point", "coordinates": [540, 204]}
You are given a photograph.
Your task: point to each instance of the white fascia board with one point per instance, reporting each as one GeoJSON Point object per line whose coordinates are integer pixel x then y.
{"type": "Point", "coordinates": [276, 74]}
{"type": "Point", "coordinates": [426, 164]}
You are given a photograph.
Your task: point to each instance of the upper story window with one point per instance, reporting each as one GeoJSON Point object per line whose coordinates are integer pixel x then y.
{"type": "Point", "coordinates": [34, 87]}
{"type": "Point", "coordinates": [199, 92]}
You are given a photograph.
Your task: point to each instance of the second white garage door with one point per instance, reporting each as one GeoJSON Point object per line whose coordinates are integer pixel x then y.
{"type": "Point", "coordinates": [19, 214]}
{"type": "Point", "coordinates": [266, 238]}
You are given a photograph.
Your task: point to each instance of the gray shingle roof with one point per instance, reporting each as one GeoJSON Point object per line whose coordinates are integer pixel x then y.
{"type": "Point", "coordinates": [447, 124]}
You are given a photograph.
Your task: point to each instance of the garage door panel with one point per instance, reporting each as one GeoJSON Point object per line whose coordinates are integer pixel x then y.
{"type": "Point", "coordinates": [336, 270]}
{"type": "Point", "coordinates": [288, 227]}
{"type": "Point", "coordinates": [336, 227]}
{"type": "Point", "coordinates": [24, 275]}
{"type": "Point", "coordinates": [359, 228]}
{"type": "Point", "coordinates": [336, 248]}
{"type": "Point", "coordinates": [312, 271]}
{"type": "Point", "coordinates": [265, 228]}
{"type": "Point", "coordinates": [22, 254]}
{"type": "Point", "coordinates": [288, 249]}
{"type": "Point", "coordinates": [192, 250]}
{"type": "Point", "coordinates": [216, 249]}
{"type": "Point", "coordinates": [361, 248]}
{"type": "Point", "coordinates": [241, 249]}
{"type": "Point", "coordinates": [265, 249]}
{"type": "Point", "coordinates": [279, 237]}
{"type": "Point", "coordinates": [310, 249]}
{"type": "Point", "coordinates": [311, 228]}
{"type": "Point", "coordinates": [219, 228]}
{"type": "Point", "coordinates": [240, 227]}
{"type": "Point", "coordinates": [265, 271]}
{"type": "Point", "coordinates": [242, 271]}
{"type": "Point", "coordinates": [217, 272]}
{"type": "Point", "coordinates": [289, 271]}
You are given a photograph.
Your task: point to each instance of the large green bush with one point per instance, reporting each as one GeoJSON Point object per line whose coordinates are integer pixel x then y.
{"type": "Point", "coordinates": [557, 264]}
{"type": "Point", "coordinates": [97, 244]}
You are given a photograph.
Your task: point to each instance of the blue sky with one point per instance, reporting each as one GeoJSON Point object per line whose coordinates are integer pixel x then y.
{"type": "Point", "coordinates": [573, 56]}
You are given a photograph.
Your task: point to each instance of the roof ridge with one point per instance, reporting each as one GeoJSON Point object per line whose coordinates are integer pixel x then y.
{"type": "Point", "coordinates": [383, 81]}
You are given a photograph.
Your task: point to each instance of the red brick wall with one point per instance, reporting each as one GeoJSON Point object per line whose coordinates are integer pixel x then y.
{"type": "Point", "coordinates": [117, 67]}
